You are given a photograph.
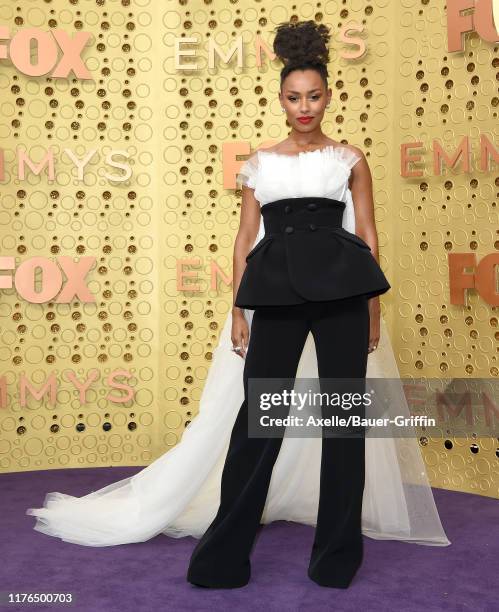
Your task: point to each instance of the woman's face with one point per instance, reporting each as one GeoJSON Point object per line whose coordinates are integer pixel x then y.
{"type": "Point", "coordinates": [304, 95]}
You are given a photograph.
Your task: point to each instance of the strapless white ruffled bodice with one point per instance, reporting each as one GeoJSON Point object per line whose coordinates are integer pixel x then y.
{"type": "Point", "coordinates": [320, 173]}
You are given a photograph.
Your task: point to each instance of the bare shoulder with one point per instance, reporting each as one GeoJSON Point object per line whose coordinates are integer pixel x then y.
{"type": "Point", "coordinates": [354, 149]}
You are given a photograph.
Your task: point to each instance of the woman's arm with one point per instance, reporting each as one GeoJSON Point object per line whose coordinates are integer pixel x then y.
{"type": "Point", "coordinates": [361, 188]}
{"type": "Point", "coordinates": [249, 225]}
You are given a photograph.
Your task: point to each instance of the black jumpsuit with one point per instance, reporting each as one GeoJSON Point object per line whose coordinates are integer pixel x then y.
{"type": "Point", "coordinates": [307, 274]}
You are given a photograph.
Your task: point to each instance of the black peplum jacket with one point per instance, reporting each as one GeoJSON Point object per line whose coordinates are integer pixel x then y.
{"type": "Point", "coordinates": [306, 255]}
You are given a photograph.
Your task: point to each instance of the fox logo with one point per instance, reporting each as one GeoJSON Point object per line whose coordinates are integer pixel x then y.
{"type": "Point", "coordinates": [482, 17]}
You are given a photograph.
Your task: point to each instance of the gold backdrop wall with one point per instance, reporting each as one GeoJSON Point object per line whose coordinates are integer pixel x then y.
{"type": "Point", "coordinates": [172, 123]}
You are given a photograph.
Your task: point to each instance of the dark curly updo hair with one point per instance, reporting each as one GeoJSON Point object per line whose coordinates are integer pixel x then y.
{"type": "Point", "coordinates": [302, 45]}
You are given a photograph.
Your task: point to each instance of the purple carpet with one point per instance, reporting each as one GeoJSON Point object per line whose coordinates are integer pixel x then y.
{"type": "Point", "coordinates": [151, 575]}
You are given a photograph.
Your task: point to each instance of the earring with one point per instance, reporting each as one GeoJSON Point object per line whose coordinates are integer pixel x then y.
{"type": "Point", "coordinates": [282, 109]}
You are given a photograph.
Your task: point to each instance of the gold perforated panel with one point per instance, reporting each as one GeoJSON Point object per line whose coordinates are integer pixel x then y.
{"type": "Point", "coordinates": [444, 96]}
{"type": "Point", "coordinates": [95, 216]}
{"type": "Point", "coordinates": [172, 123]}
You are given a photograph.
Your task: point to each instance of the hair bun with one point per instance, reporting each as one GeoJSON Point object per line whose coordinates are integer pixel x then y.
{"type": "Point", "coordinates": [302, 41]}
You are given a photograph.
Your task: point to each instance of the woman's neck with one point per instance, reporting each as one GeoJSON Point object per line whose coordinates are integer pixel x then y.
{"type": "Point", "coordinates": [309, 140]}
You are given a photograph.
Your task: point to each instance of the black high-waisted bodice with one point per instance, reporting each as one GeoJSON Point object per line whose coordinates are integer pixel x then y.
{"type": "Point", "coordinates": [306, 255]}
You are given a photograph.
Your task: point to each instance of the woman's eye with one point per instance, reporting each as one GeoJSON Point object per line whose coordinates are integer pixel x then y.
{"type": "Point", "coordinates": [313, 98]}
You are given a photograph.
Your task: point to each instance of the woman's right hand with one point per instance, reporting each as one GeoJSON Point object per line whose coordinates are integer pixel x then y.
{"type": "Point", "coordinates": [240, 333]}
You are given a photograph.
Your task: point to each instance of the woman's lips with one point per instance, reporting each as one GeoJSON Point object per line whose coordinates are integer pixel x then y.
{"type": "Point", "coordinates": [305, 119]}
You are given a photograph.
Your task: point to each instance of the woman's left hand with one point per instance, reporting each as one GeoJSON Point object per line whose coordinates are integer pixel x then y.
{"type": "Point", "coordinates": [374, 323]}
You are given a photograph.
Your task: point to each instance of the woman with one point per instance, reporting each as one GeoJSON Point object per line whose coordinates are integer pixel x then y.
{"type": "Point", "coordinates": [306, 275]}
{"type": "Point", "coordinates": [180, 493]}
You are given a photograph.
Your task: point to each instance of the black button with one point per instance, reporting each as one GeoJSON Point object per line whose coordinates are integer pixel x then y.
{"type": "Point", "coordinates": [312, 206]}
{"type": "Point", "coordinates": [289, 229]}
{"type": "Point", "coordinates": [312, 226]}
{"type": "Point", "coordinates": [287, 208]}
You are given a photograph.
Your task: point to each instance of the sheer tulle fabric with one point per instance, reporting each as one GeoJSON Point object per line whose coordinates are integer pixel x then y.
{"type": "Point", "coordinates": [178, 494]}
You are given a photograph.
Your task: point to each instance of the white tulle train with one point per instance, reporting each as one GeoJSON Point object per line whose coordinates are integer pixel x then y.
{"type": "Point", "coordinates": [178, 494]}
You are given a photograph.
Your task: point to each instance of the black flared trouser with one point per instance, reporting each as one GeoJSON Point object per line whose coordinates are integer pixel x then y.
{"type": "Point", "coordinates": [340, 330]}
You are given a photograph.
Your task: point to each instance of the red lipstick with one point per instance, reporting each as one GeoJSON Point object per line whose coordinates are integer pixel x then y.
{"type": "Point", "coordinates": [305, 119]}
